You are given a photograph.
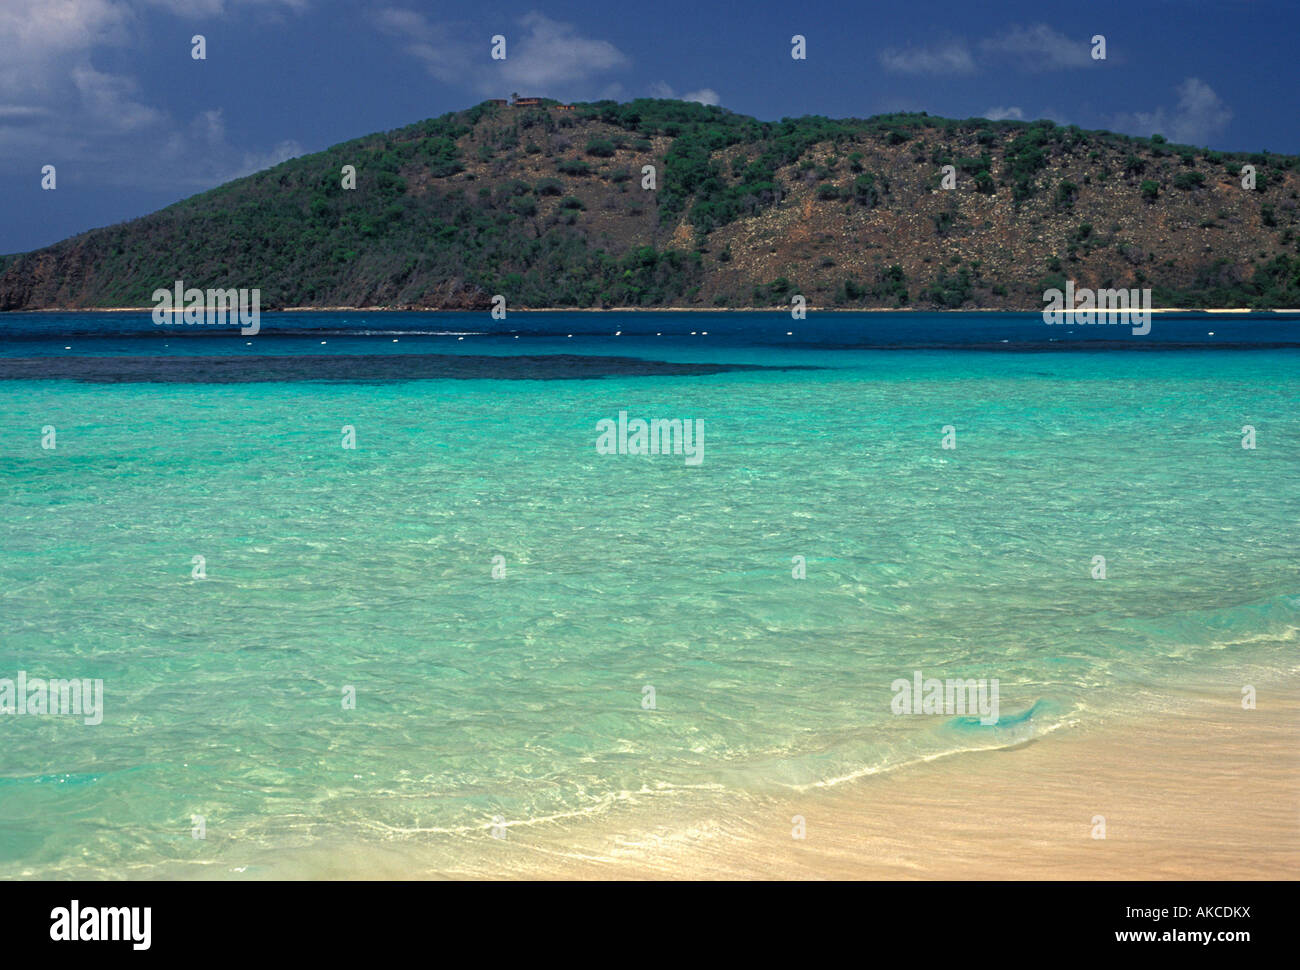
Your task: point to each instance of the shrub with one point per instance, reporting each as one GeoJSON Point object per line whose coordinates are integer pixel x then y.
{"type": "Point", "coordinates": [951, 291]}
{"type": "Point", "coordinates": [865, 191]}
{"type": "Point", "coordinates": [1066, 194]}
{"type": "Point", "coordinates": [1025, 157]}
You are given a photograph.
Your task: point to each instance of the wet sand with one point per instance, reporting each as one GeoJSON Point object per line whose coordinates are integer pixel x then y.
{"type": "Point", "coordinates": [1199, 790]}
{"type": "Point", "coordinates": [1209, 791]}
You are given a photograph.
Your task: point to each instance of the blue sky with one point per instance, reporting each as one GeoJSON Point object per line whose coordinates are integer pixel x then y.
{"type": "Point", "coordinates": [107, 90]}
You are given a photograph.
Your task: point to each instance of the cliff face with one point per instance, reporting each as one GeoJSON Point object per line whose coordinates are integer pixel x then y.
{"type": "Point", "coordinates": [547, 208]}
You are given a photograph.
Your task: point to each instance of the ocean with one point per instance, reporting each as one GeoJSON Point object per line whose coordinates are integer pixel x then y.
{"type": "Point", "coordinates": [474, 622]}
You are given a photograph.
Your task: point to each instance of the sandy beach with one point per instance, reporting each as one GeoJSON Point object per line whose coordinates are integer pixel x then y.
{"type": "Point", "coordinates": [1208, 792]}
{"type": "Point", "coordinates": [1203, 790]}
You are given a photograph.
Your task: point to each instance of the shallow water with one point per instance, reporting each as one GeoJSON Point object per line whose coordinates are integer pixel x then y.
{"type": "Point", "coordinates": [525, 697]}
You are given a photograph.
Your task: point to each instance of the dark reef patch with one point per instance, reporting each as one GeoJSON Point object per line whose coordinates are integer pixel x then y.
{"type": "Point", "coordinates": [351, 368]}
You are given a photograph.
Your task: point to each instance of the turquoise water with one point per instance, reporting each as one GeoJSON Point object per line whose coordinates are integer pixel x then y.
{"type": "Point", "coordinates": [521, 697]}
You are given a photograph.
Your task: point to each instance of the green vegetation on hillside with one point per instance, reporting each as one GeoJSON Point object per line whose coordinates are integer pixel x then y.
{"type": "Point", "coordinates": [546, 207]}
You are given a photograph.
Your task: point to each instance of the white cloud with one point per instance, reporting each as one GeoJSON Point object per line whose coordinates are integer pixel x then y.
{"type": "Point", "coordinates": [1038, 48]}
{"type": "Point", "coordinates": [553, 53]}
{"type": "Point", "coordinates": [1199, 115]}
{"type": "Point", "coordinates": [110, 103]}
{"type": "Point", "coordinates": [55, 24]}
{"type": "Point", "coordinates": [1034, 48]}
{"type": "Point", "coordinates": [206, 157]}
{"type": "Point", "coordinates": [211, 8]}
{"type": "Point", "coordinates": [1012, 113]}
{"type": "Point", "coordinates": [445, 57]}
{"type": "Point", "coordinates": [661, 89]}
{"type": "Point", "coordinates": [60, 108]}
{"type": "Point", "coordinates": [40, 38]}
{"type": "Point", "coordinates": [952, 57]}
{"type": "Point", "coordinates": [703, 96]}
{"type": "Point", "coordinates": [549, 59]}
{"type": "Point", "coordinates": [18, 112]}
{"type": "Point", "coordinates": [254, 162]}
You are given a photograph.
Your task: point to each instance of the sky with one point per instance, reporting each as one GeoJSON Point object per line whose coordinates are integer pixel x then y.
{"type": "Point", "coordinates": [109, 93]}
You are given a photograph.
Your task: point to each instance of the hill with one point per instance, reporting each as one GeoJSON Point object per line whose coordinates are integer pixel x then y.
{"type": "Point", "coordinates": [546, 206]}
